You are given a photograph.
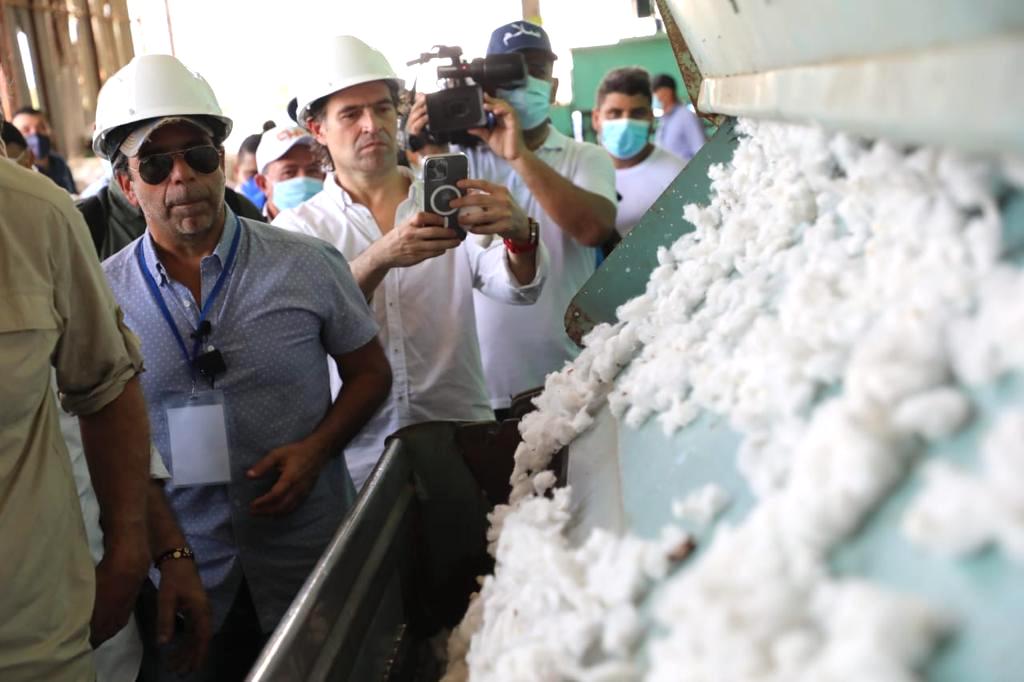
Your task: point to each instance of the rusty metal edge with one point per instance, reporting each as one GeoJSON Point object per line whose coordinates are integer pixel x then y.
{"type": "Point", "coordinates": [578, 323]}
{"type": "Point", "coordinates": [692, 77]}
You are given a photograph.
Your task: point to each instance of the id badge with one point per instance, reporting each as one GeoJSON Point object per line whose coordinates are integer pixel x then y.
{"type": "Point", "coordinates": [199, 439]}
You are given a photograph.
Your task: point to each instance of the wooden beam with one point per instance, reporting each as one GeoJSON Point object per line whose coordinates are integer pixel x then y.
{"type": "Point", "coordinates": [7, 99]}
{"type": "Point", "coordinates": [531, 10]}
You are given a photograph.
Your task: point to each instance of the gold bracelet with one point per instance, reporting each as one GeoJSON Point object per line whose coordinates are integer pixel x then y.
{"type": "Point", "coordinates": [183, 552]}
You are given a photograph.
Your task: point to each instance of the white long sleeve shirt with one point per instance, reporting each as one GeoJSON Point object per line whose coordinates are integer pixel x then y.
{"type": "Point", "coordinates": [426, 317]}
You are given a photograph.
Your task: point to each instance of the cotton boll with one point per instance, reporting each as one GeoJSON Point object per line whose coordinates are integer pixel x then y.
{"type": "Point", "coordinates": [952, 515]}
{"type": "Point", "coordinates": [622, 629]}
{"type": "Point", "coordinates": [839, 472]}
{"type": "Point", "coordinates": [877, 624]}
{"type": "Point", "coordinates": [969, 182]}
{"type": "Point", "coordinates": [702, 505]}
{"type": "Point", "coordinates": [792, 651]}
{"type": "Point", "coordinates": [984, 343]}
{"type": "Point", "coordinates": [543, 482]}
{"type": "Point", "coordinates": [984, 240]}
{"type": "Point", "coordinates": [679, 415]}
{"type": "Point", "coordinates": [934, 414]}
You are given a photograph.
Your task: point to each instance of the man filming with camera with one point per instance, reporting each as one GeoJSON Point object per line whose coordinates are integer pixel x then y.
{"type": "Point", "coordinates": [567, 186]}
{"type": "Point", "coordinates": [413, 269]}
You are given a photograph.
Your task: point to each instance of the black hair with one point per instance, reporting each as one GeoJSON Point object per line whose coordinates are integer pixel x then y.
{"type": "Point", "coordinates": [251, 143]}
{"type": "Point", "coordinates": [663, 80]}
{"type": "Point", "coordinates": [31, 111]}
{"type": "Point", "coordinates": [628, 80]}
{"type": "Point", "coordinates": [318, 108]}
{"type": "Point", "coordinates": [12, 135]}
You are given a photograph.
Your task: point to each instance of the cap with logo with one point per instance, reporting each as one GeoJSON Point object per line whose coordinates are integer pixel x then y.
{"type": "Point", "coordinates": [277, 142]}
{"type": "Point", "coordinates": [519, 36]}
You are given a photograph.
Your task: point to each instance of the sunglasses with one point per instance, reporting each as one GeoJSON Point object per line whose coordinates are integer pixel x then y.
{"type": "Point", "coordinates": [155, 168]}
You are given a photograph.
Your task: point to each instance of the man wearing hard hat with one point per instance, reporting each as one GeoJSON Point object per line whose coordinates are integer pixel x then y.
{"type": "Point", "coordinates": [237, 321]}
{"type": "Point", "coordinates": [415, 272]}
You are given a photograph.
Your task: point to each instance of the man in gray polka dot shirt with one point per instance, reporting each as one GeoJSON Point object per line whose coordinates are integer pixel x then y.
{"type": "Point", "coordinates": [237, 320]}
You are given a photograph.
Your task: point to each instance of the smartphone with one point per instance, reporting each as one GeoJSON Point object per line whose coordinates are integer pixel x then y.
{"type": "Point", "coordinates": [441, 172]}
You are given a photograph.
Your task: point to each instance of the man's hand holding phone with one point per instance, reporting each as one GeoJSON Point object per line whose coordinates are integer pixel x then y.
{"type": "Point", "coordinates": [487, 208]}
{"type": "Point", "coordinates": [417, 238]}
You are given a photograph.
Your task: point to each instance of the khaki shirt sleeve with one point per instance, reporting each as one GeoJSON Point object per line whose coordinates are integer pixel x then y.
{"type": "Point", "coordinates": [97, 355]}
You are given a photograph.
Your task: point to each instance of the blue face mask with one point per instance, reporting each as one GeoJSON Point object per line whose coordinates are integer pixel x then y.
{"type": "Point", "coordinates": [39, 144]}
{"type": "Point", "coordinates": [251, 192]}
{"type": "Point", "coordinates": [532, 102]}
{"type": "Point", "coordinates": [291, 193]}
{"type": "Point", "coordinates": [624, 138]}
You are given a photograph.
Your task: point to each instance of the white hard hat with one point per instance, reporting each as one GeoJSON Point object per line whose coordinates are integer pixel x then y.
{"type": "Point", "coordinates": [152, 86]}
{"type": "Point", "coordinates": [348, 61]}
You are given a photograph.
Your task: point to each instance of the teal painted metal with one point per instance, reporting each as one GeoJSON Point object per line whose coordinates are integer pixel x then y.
{"type": "Point", "coordinates": [624, 274]}
{"type": "Point", "coordinates": [561, 119]}
{"type": "Point", "coordinates": [590, 64]}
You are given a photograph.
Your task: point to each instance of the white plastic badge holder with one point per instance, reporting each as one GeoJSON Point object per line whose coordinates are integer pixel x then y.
{"type": "Point", "coordinates": [199, 439]}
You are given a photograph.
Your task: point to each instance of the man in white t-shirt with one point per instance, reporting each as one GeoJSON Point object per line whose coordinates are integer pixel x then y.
{"type": "Point", "coordinates": [417, 276]}
{"type": "Point", "coordinates": [622, 118]}
{"type": "Point", "coordinates": [568, 187]}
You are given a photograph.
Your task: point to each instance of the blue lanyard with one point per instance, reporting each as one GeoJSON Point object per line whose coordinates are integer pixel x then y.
{"type": "Point", "coordinates": [155, 291]}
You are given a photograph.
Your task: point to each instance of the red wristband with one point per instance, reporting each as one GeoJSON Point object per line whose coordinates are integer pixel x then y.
{"type": "Point", "coordinates": [519, 248]}
{"type": "Point", "coordinates": [531, 245]}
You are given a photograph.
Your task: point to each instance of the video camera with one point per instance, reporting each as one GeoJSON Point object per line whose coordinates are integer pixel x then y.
{"type": "Point", "coordinates": [459, 106]}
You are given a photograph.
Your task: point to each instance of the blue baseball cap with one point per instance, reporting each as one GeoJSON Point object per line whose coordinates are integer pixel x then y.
{"type": "Point", "coordinates": [518, 36]}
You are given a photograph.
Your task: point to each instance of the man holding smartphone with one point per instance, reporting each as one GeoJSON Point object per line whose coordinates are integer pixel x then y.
{"type": "Point", "coordinates": [418, 276]}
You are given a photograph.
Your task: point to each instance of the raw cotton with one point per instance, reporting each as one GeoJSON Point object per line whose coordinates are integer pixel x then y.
{"type": "Point", "coordinates": [960, 512]}
{"type": "Point", "coordinates": [701, 506]}
{"type": "Point", "coordinates": [832, 303]}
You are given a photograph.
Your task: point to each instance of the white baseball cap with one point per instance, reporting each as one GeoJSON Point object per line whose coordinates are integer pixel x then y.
{"type": "Point", "coordinates": [276, 142]}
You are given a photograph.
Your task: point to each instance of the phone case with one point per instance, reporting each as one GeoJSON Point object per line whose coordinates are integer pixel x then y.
{"type": "Point", "coordinates": [441, 172]}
